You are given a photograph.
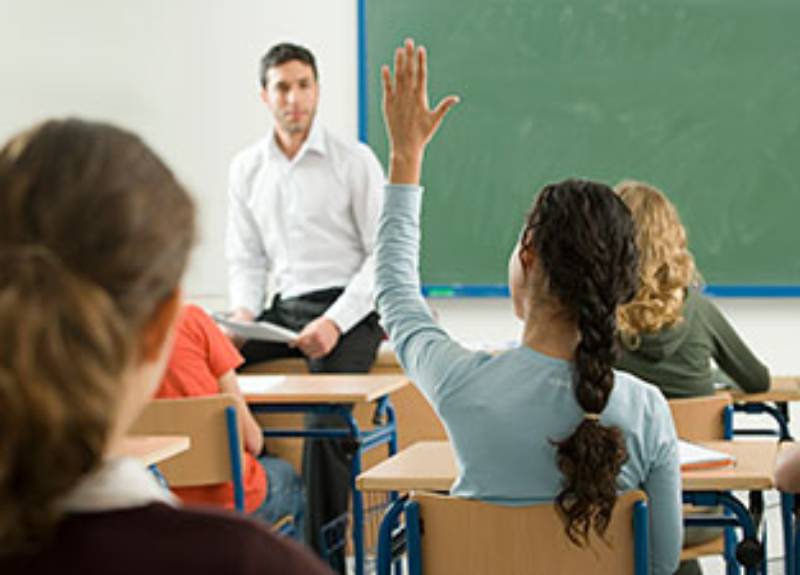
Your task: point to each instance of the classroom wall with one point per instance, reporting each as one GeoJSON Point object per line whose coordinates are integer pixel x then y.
{"type": "Point", "coordinates": [183, 73]}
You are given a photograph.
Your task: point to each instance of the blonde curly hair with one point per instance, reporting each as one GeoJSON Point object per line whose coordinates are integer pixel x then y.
{"type": "Point", "coordinates": [666, 267]}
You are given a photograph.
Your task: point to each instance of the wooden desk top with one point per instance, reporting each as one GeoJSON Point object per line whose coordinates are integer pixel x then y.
{"type": "Point", "coordinates": [152, 449]}
{"type": "Point", "coordinates": [320, 388]}
{"type": "Point", "coordinates": [431, 466]}
{"type": "Point", "coordinates": [425, 465]}
{"type": "Point", "coordinates": [782, 388]}
{"type": "Point", "coordinates": [754, 469]}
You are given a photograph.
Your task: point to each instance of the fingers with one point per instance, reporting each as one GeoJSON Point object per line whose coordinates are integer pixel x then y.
{"type": "Point", "coordinates": [442, 108]}
{"type": "Point", "coordinates": [410, 63]}
{"type": "Point", "coordinates": [404, 67]}
{"type": "Point", "coordinates": [422, 71]}
{"type": "Point", "coordinates": [387, 82]}
{"type": "Point", "coordinates": [399, 69]}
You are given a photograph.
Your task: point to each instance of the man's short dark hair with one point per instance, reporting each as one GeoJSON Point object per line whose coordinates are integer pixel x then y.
{"type": "Point", "coordinates": [282, 53]}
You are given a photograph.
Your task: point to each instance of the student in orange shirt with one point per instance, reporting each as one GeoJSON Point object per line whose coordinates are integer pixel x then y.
{"type": "Point", "coordinates": [202, 363]}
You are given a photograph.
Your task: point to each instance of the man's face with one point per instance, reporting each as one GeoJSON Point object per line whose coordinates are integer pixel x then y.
{"type": "Point", "coordinates": [291, 95]}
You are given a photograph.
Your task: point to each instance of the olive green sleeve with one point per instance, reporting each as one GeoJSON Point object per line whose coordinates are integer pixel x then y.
{"type": "Point", "coordinates": [731, 353]}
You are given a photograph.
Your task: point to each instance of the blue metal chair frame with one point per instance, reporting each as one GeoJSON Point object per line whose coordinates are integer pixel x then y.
{"type": "Point", "coordinates": [384, 433]}
{"type": "Point", "coordinates": [749, 552]}
{"type": "Point", "coordinates": [393, 541]}
{"type": "Point", "coordinates": [235, 451]}
{"type": "Point", "coordinates": [780, 413]}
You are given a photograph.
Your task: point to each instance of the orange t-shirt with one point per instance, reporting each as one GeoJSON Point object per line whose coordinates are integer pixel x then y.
{"type": "Point", "coordinates": [200, 356]}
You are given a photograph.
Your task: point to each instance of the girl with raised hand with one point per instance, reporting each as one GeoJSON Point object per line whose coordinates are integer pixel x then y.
{"type": "Point", "coordinates": [550, 418]}
{"type": "Point", "coordinates": [95, 233]}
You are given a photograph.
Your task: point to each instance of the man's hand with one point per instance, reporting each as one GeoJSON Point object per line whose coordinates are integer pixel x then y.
{"type": "Point", "coordinates": [239, 314]}
{"type": "Point", "coordinates": [318, 338]}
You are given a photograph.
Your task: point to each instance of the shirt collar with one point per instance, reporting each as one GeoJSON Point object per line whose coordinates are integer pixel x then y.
{"type": "Point", "coordinates": [315, 142]}
{"type": "Point", "coordinates": [119, 483]}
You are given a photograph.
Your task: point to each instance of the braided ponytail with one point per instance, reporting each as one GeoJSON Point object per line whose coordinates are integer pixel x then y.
{"type": "Point", "coordinates": [584, 237]}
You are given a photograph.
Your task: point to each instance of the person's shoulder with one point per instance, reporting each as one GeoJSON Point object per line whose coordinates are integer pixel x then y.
{"type": "Point", "coordinates": [636, 391]}
{"type": "Point", "coordinates": [194, 321]}
{"type": "Point", "coordinates": [249, 546]}
{"type": "Point", "coordinates": [348, 150]}
{"type": "Point", "coordinates": [249, 158]}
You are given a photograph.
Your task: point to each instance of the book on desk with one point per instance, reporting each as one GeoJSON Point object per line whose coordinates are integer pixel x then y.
{"type": "Point", "coordinates": [694, 457]}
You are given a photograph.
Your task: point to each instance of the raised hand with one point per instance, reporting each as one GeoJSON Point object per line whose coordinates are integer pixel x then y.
{"type": "Point", "coordinates": [410, 123]}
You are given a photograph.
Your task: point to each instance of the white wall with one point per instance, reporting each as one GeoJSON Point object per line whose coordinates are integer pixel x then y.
{"type": "Point", "coordinates": [183, 73]}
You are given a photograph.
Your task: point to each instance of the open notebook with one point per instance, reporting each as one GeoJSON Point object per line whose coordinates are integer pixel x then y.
{"type": "Point", "coordinates": [695, 457]}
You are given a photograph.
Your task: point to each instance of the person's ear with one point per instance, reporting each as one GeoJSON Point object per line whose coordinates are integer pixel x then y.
{"type": "Point", "coordinates": [527, 257]}
{"type": "Point", "coordinates": [157, 329]}
{"type": "Point", "coordinates": [264, 96]}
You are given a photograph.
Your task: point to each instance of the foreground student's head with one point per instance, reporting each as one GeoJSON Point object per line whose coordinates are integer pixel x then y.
{"type": "Point", "coordinates": [666, 266]}
{"type": "Point", "coordinates": [577, 259]}
{"type": "Point", "coordinates": [95, 233]}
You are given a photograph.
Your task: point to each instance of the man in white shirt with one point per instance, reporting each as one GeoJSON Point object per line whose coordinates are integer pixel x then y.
{"type": "Point", "coordinates": [304, 205]}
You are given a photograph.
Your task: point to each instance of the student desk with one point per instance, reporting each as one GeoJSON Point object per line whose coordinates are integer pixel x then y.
{"type": "Point", "coordinates": [431, 466]}
{"type": "Point", "coordinates": [151, 449]}
{"type": "Point", "coordinates": [774, 402]}
{"type": "Point", "coordinates": [332, 394]}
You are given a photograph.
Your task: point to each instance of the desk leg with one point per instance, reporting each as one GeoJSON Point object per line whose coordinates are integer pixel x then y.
{"type": "Point", "coordinates": [385, 433]}
{"type": "Point", "coordinates": [362, 441]}
{"type": "Point", "coordinates": [787, 515]}
{"type": "Point", "coordinates": [750, 551]}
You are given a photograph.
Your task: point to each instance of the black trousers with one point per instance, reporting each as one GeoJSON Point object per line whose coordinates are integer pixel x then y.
{"type": "Point", "coordinates": [326, 462]}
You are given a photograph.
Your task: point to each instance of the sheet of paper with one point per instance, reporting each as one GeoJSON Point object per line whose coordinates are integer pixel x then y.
{"type": "Point", "coordinates": [259, 384]}
{"type": "Point", "coordinates": [693, 456]}
{"type": "Point", "coordinates": [258, 330]}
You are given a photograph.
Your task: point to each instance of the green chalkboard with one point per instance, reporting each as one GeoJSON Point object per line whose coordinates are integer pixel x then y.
{"type": "Point", "coordinates": [699, 97]}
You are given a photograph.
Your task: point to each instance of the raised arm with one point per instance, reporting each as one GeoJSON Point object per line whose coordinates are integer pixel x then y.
{"type": "Point", "coordinates": [426, 352]}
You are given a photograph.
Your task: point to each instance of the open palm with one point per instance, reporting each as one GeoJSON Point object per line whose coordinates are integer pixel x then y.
{"type": "Point", "coordinates": [410, 122]}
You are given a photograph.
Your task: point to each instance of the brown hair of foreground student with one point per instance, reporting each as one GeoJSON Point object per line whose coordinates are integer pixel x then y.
{"type": "Point", "coordinates": [95, 233]}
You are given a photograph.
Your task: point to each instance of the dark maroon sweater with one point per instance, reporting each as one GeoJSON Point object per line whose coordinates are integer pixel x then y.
{"type": "Point", "coordinates": [158, 539]}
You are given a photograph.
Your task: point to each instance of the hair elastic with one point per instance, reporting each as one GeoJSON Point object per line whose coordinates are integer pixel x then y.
{"type": "Point", "coordinates": [592, 416]}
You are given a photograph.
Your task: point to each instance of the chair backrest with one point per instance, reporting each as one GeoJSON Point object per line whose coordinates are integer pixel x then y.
{"type": "Point", "coordinates": [479, 538]}
{"type": "Point", "coordinates": [211, 423]}
{"type": "Point", "coordinates": [707, 418]}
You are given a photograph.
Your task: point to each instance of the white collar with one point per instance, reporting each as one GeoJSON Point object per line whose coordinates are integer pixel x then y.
{"type": "Point", "coordinates": [119, 483]}
{"type": "Point", "coordinates": [315, 142]}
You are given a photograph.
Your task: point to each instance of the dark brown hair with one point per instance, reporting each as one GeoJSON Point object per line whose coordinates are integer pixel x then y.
{"type": "Point", "coordinates": [95, 233]}
{"type": "Point", "coordinates": [282, 53]}
{"type": "Point", "coordinates": [583, 235]}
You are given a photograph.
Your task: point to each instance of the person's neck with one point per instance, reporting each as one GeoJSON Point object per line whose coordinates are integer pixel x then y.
{"type": "Point", "coordinates": [290, 143]}
{"type": "Point", "coordinates": [549, 333]}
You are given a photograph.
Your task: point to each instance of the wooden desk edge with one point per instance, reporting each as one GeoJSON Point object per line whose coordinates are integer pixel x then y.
{"type": "Point", "coordinates": [152, 449]}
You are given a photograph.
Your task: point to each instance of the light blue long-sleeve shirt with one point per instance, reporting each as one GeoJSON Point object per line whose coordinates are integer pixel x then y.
{"type": "Point", "coordinates": [501, 412]}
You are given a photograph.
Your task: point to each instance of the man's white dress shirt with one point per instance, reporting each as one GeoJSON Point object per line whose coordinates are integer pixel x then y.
{"type": "Point", "coordinates": [311, 221]}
